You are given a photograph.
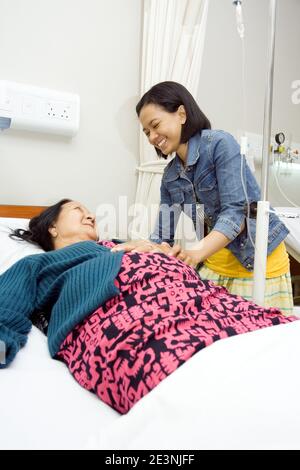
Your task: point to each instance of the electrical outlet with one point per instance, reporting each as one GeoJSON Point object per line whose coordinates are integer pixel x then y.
{"type": "Point", "coordinates": [59, 110]}
{"type": "Point", "coordinates": [39, 109]}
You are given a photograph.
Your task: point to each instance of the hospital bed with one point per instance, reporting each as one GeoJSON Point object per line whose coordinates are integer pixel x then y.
{"type": "Point", "coordinates": [239, 393]}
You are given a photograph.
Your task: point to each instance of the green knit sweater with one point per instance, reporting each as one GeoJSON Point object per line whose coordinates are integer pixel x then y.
{"type": "Point", "coordinates": [71, 283]}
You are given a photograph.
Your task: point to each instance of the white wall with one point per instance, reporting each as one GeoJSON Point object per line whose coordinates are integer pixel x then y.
{"type": "Point", "coordinates": [220, 92]}
{"type": "Point", "coordinates": [89, 47]}
{"type": "Point", "coordinates": [93, 48]}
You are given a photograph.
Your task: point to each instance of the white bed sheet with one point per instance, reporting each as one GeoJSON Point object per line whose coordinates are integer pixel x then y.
{"type": "Point", "coordinates": [41, 404]}
{"type": "Point", "coordinates": [240, 392]}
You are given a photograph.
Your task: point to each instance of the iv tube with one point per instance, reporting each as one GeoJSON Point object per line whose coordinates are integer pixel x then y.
{"type": "Point", "coordinates": [244, 139]}
{"type": "Point", "coordinates": [239, 18]}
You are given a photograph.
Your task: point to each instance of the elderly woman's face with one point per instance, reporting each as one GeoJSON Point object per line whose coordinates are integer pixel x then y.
{"type": "Point", "coordinates": [74, 222]}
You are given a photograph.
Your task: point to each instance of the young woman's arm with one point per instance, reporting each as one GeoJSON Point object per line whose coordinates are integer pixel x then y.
{"type": "Point", "coordinates": [230, 222]}
{"type": "Point", "coordinates": [206, 247]}
{"type": "Point", "coordinates": [163, 235]}
{"type": "Point", "coordinates": [167, 218]}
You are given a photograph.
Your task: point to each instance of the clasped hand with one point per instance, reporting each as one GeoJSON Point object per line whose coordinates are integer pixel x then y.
{"type": "Point", "coordinates": [190, 257]}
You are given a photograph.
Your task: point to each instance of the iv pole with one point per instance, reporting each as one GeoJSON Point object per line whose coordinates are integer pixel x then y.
{"type": "Point", "coordinates": [262, 220]}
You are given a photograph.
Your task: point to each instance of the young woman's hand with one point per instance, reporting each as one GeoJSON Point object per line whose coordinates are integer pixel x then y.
{"type": "Point", "coordinates": [142, 246]}
{"type": "Point", "coordinates": [190, 257]}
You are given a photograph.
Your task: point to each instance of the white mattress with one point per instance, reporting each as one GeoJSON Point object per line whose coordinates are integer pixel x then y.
{"type": "Point", "coordinates": [240, 392]}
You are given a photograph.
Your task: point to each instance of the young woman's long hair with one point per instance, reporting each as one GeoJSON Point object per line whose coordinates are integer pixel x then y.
{"type": "Point", "coordinates": [169, 96]}
{"type": "Point", "coordinates": [38, 230]}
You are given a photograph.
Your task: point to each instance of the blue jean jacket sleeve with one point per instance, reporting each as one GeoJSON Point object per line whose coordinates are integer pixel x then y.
{"type": "Point", "coordinates": [227, 161]}
{"type": "Point", "coordinates": [167, 218]}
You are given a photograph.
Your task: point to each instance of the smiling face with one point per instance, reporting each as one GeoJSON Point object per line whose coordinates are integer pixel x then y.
{"type": "Point", "coordinates": [75, 223]}
{"type": "Point", "coordinates": [163, 129]}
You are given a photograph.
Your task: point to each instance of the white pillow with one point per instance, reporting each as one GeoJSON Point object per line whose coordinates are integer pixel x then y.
{"type": "Point", "coordinates": [12, 250]}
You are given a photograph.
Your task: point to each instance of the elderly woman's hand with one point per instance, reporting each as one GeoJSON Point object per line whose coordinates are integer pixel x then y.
{"type": "Point", "coordinates": [142, 246]}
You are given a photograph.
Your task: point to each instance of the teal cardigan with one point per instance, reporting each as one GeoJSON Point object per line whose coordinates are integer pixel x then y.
{"type": "Point", "coordinates": [71, 283]}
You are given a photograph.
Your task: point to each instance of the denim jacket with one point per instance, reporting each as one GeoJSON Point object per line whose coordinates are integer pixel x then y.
{"type": "Point", "coordinates": [215, 164]}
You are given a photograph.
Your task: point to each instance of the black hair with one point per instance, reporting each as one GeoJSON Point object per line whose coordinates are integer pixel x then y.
{"type": "Point", "coordinates": [38, 230]}
{"type": "Point", "coordinates": [169, 96]}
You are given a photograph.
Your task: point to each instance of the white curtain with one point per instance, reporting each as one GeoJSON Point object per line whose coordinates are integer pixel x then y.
{"type": "Point", "coordinates": [172, 49]}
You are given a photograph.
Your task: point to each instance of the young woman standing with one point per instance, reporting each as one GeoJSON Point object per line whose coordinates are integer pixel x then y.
{"type": "Point", "coordinates": [209, 169]}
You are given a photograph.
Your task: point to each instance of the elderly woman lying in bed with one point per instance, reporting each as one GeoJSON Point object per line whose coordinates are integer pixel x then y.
{"type": "Point", "coordinates": [121, 322]}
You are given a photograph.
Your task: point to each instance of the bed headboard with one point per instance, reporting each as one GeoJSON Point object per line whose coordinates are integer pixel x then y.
{"type": "Point", "coordinates": [20, 212]}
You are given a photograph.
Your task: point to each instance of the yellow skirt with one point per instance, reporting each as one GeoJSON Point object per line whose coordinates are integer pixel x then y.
{"type": "Point", "coordinates": [278, 290]}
